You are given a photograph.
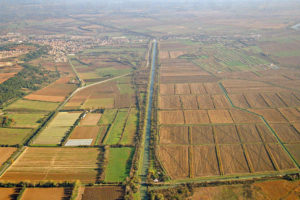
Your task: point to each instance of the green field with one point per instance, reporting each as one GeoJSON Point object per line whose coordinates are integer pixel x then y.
{"type": "Point", "coordinates": [12, 136]}
{"type": "Point", "coordinates": [108, 116]}
{"type": "Point", "coordinates": [115, 132]}
{"type": "Point", "coordinates": [56, 130]}
{"type": "Point", "coordinates": [130, 129]}
{"type": "Point", "coordinates": [119, 162]}
{"type": "Point", "coordinates": [26, 120]}
{"type": "Point", "coordinates": [98, 103]}
{"type": "Point", "coordinates": [125, 88]}
{"type": "Point", "coordinates": [28, 105]}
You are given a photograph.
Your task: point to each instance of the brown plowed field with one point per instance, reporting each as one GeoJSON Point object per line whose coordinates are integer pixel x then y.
{"type": "Point", "coordinates": [5, 153]}
{"type": "Point", "coordinates": [286, 132]}
{"type": "Point", "coordinates": [239, 100]}
{"type": "Point", "coordinates": [266, 134]}
{"type": "Point", "coordinates": [259, 157]}
{"type": "Point", "coordinates": [167, 89]}
{"type": "Point", "coordinates": [255, 100]}
{"type": "Point", "coordinates": [175, 160]}
{"type": "Point", "coordinates": [103, 193]}
{"type": "Point", "coordinates": [248, 133]}
{"type": "Point", "coordinates": [226, 134]}
{"type": "Point", "coordinates": [221, 102]}
{"type": "Point", "coordinates": [8, 194]}
{"type": "Point", "coordinates": [189, 102]}
{"type": "Point", "coordinates": [188, 78]}
{"type": "Point", "coordinates": [205, 161]}
{"type": "Point", "coordinates": [213, 88]}
{"type": "Point", "coordinates": [196, 117]}
{"type": "Point", "coordinates": [174, 135]}
{"type": "Point", "coordinates": [240, 116]}
{"type": "Point", "coordinates": [205, 102]}
{"type": "Point", "coordinates": [182, 88]}
{"type": "Point", "coordinates": [44, 194]}
{"type": "Point", "coordinates": [171, 117]}
{"type": "Point", "coordinates": [289, 99]}
{"type": "Point", "coordinates": [233, 159]}
{"type": "Point", "coordinates": [294, 149]}
{"type": "Point", "coordinates": [273, 100]}
{"type": "Point", "coordinates": [197, 88]}
{"type": "Point", "coordinates": [297, 127]}
{"type": "Point", "coordinates": [219, 116]}
{"type": "Point", "coordinates": [291, 114]}
{"type": "Point", "coordinates": [85, 132]}
{"type": "Point", "coordinates": [90, 119]}
{"type": "Point", "coordinates": [281, 157]}
{"type": "Point", "coordinates": [202, 135]}
{"type": "Point", "coordinates": [271, 115]}
{"type": "Point", "coordinates": [169, 102]}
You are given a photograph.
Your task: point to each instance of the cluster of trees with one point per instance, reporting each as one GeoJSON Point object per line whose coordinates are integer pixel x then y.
{"type": "Point", "coordinates": [178, 193]}
{"type": "Point", "coordinates": [30, 78]}
{"type": "Point", "coordinates": [5, 121]}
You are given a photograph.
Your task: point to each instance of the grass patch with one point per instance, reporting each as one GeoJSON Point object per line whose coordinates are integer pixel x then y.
{"type": "Point", "coordinates": [28, 105]}
{"type": "Point", "coordinates": [98, 103]}
{"type": "Point", "coordinates": [26, 120]}
{"type": "Point", "coordinates": [131, 127]}
{"type": "Point", "coordinates": [12, 136]}
{"type": "Point", "coordinates": [125, 89]}
{"type": "Point", "coordinates": [108, 116]}
{"type": "Point", "coordinates": [119, 162]}
{"type": "Point", "coordinates": [115, 132]}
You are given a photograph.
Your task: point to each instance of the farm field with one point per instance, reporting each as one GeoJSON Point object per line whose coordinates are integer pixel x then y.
{"type": "Point", "coordinates": [45, 194]}
{"type": "Point", "coordinates": [60, 164]}
{"type": "Point", "coordinates": [119, 162]}
{"type": "Point", "coordinates": [8, 193]}
{"type": "Point", "coordinates": [5, 153]}
{"type": "Point", "coordinates": [57, 128]}
{"type": "Point", "coordinates": [26, 120]}
{"type": "Point", "coordinates": [84, 133]}
{"type": "Point", "coordinates": [103, 193]}
{"type": "Point", "coordinates": [90, 119]}
{"type": "Point", "coordinates": [31, 106]}
{"type": "Point", "coordinates": [12, 136]}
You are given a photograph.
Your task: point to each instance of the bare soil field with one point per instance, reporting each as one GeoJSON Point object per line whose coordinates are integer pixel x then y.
{"type": "Point", "coordinates": [221, 102]}
{"type": "Point", "coordinates": [213, 88]}
{"type": "Point", "coordinates": [167, 89]}
{"type": "Point", "coordinates": [197, 88]}
{"type": "Point", "coordinates": [44, 194]}
{"type": "Point", "coordinates": [90, 119]}
{"type": "Point", "coordinates": [189, 102]}
{"type": "Point", "coordinates": [171, 117]}
{"type": "Point", "coordinates": [294, 149]}
{"type": "Point", "coordinates": [187, 79]}
{"type": "Point", "coordinates": [205, 161]}
{"type": "Point", "coordinates": [239, 100]}
{"type": "Point", "coordinates": [85, 132]}
{"type": "Point", "coordinates": [291, 114]}
{"type": "Point", "coordinates": [103, 193]}
{"type": "Point", "coordinates": [196, 117]}
{"type": "Point", "coordinates": [233, 159]}
{"type": "Point", "coordinates": [175, 160]}
{"type": "Point", "coordinates": [240, 116]}
{"type": "Point", "coordinates": [226, 134]}
{"type": "Point", "coordinates": [259, 157]}
{"type": "Point", "coordinates": [8, 193]}
{"type": "Point", "coordinates": [266, 134]}
{"type": "Point", "coordinates": [5, 153]}
{"type": "Point", "coordinates": [248, 133]}
{"type": "Point", "coordinates": [183, 88]}
{"type": "Point", "coordinates": [201, 135]}
{"type": "Point", "coordinates": [58, 164]}
{"type": "Point", "coordinates": [281, 157]}
{"type": "Point", "coordinates": [273, 100]}
{"type": "Point", "coordinates": [289, 99]}
{"type": "Point", "coordinates": [173, 135]}
{"type": "Point", "coordinates": [286, 132]}
{"type": "Point", "coordinates": [271, 115]}
{"type": "Point", "coordinates": [169, 102]}
{"type": "Point", "coordinates": [255, 100]}
{"type": "Point", "coordinates": [205, 102]}
{"type": "Point", "coordinates": [219, 116]}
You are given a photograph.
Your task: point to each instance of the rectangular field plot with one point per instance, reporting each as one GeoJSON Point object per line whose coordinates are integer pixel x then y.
{"type": "Point", "coordinates": [85, 132]}
{"type": "Point", "coordinates": [8, 193]}
{"type": "Point", "coordinates": [291, 114]}
{"type": "Point", "coordinates": [220, 102]}
{"type": "Point", "coordinates": [233, 159]}
{"type": "Point", "coordinates": [271, 115]}
{"type": "Point", "coordinates": [79, 142]}
{"type": "Point", "coordinates": [90, 119]}
{"type": "Point", "coordinates": [103, 192]}
{"type": "Point", "coordinates": [5, 153]}
{"type": "Point", "coordinates": [98, 103]}
{"type": "Point", "coordinates": [119, 162]}
{"type": "Point", "coordinates": [240, 116]}
{"type": "Point", "coordinates": [205, 102]}
{"type": "Point", "coordinates": [182, 88]}
{"type": "Point", "coordinates": [239, 100]}
{"type": "Point", "coordinates": [259, 157]}
{"type": "Point", "coordinates": [57, 128]}
{"type": "Point", "coordinates": [255, 100]}
{"type": "Point", "coordinates": [12, 136]}
{"type": "Point", "coordinates": [175, 160]}
{"type": "Point", "coordinates": [281, 157]}
{"type": "Point", "coordinates": [212, 88]}
{"type": "Point", "coordinates": [273, 100]}
{"type": "Point", "coordinates": [266, 134]}
{"type": "Point", "coordinates": [294, 149]}
{"type": "Point", "coordinates": [219, 116]}
{"type": "Point", "coordinates": [58, 164]}
{"type": "Point", "coordinates": [46, 193]}
{"type": "Point", "coordinates": [297, 126]}
{"type": "Point", "coordinates": [226, 134]}
{"type": "Point", "coordinates": [173, 135]}
{"type": "Point", "coordinates": [286, 133]}
{"type": "Point", "coordinates": [205, 161]}
{"type": "Point", "coordinates": [130, 128]}
{"type": "Point", "coordinates": [171, 117]}
{"type": "Point", "coordinates": [169, 102]}
{"type": "Point", "coordinates": [196, 117]}
{"type": "Point", "coordinates": [26, 120]}
{"type": "Point", "coordinates": [189, 102]}
{"type": "Point", "coordinates": [197, 88]}
{"type": "Point", "coordinates": [248, 133]}
{"type": "Point", "coordinates": [201, 135]}
{"type": "Point", "coordinates": [289, 99]}
{"type": "Point", "coordinates": [167, 89]}
{"type": "Point", "coordinates": [33, 106]}
{"type": "Point", "coordinates": [108, 116]}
